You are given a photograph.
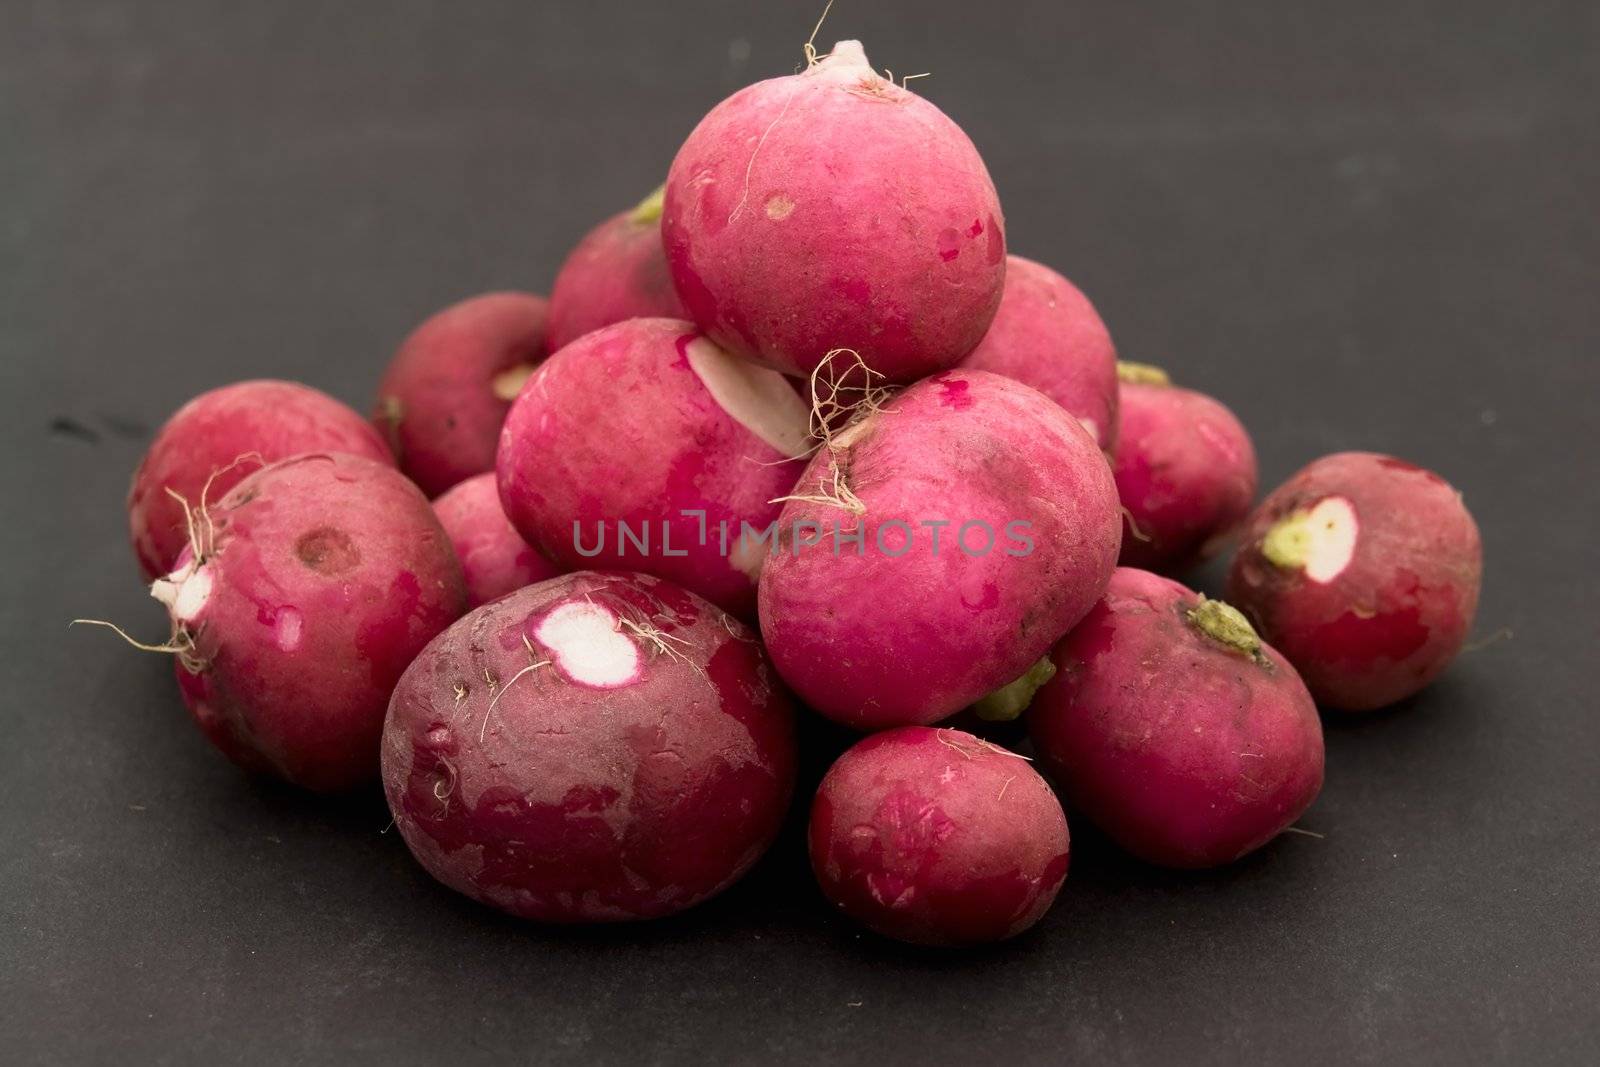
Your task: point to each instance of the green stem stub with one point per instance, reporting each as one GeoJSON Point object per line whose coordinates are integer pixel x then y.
{"type": "Point", "coordinates": [1141, 374]}
{"type": "Point", "coordinates": [1010, 701]}
{"type": "Point", "coordinates": [649, 209]}
{"type": "Point", "coordinates": [1226, 625]}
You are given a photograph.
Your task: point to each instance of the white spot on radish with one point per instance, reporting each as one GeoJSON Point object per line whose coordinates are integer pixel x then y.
{"type": "Point", "coordinates": [287, 629]}
{"type": "Point", "coordinates": [588, 645]}
{"type": "Point", "coordinates": [779, 207]}
{"type": "Point", "coordinates": [1319, 541]}
{"type": "Point", "coordinates": [509, 382]}
{"type": "Point", "coordinates": [1092, 426]}
{"type": "Point", "coordinates": [184, 591]}
{"type": "Point", "coordinates": [759, 399]}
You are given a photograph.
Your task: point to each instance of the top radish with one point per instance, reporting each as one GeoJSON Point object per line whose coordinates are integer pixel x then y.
{"type": "Point", "coordinates": [835, 209]}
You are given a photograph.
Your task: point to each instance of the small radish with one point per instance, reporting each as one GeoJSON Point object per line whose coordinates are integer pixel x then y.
{"type": "Point", "coordinates": [1174, 729]}
{"type": "Point", "coordinates": [938, 838]}
{"type": "Point", "coordinates": [835, 209]}
{"type": "Point", "coordinates": [447, 390]}
{"type": "Point", "coordinates": [1186, 472]}
{"type": "Point", "coordinates": [1049, 336]}
{"type": "Point", "coordinates": [643, 446]}
{"type": "Point", "coordinates": [1364, 569]}
{"type": "Point", "coordinates": [211, 443]}
{"type": "Point", "coordinates": [618, 271]}
{"type": "Point", "coordinates": [593, 748]}
{"type": "Point", "coordinates": [302, 596]}
{"type": "Point", "coordinates": [935, 549]}
{"type": "Point", "coordinates": [494, 558]}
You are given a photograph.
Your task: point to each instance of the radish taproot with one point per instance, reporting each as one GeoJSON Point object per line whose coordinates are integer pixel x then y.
{"type": "Point", "coordinates": [596, 747]}
{"type": "Point", "coordinates": [935, 548]}
{"type": "Point", "coordinates": [618, 271]}
{"type": "Point", "coordinates": [302, 596]}
{"type": "Point", "coordinates": [1047, 335]}
{"type": "Point", "coordinates": [1172, 727]}
{"type": "Point", "coordinates": [494, 558]}
{"type": "Point", "coordinates": [644, 446]}
{"type": "Point", "coordinates": [446, 392]}
{"type": "Point", "coordinates": [936, 837]}
{"type": "Point", "coordinates": [1185, 470]}
{"type": "Point", "coordinates": [1364, 570]}
{"type": "Point", "coordinates": [834, 208]}
{"type": "Point", "coordinates": [211, 443]}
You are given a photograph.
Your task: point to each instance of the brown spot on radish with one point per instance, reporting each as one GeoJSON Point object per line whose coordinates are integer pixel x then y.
{"type": "Point", "coordinates": [327, 550]}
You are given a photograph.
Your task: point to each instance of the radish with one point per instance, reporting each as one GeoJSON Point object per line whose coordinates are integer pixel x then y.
{"type": "Point", "coordinates": [302, 596]}
{"type": "Point", "coordinates": [447, 390]}
{"type": "Point", "coordinates": [935, 837]}
{"type": "Point", "coordinates": [592, 748]}
{"type": "Point", "coordinates": [211, 443]}
{"type": "Point", "coordinates": [1364, 569]}
{"type": "Point", "coordinates": [1174, 729]}
{"type": "Point", "coordinates": [935, 549]}
{"type": "Point", "coordinates": [1185, 469]}
{"type": "Point", "coordinates": [831, 209]}
{"type": "Point", "coordinates": [644, 446]}
{"type": "Point", "coordinates": [494, 558]}
{"type": "Point", "coordinates": [1049, 336]}
{"type": "Point", "coordinates": [618, 271]}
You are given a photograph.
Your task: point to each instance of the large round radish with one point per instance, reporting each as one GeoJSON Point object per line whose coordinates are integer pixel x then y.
{"type": "Point", "coordinates": [305, 592]}
{"type": "Point", "coordinates": [447, 390]}
{"type": "Point", "coordinates": [1174, 729]}
{"type": "Point", "coordinates": [835, 209]}
{"type": "Point", "coordinates": [644, 446]}
{"type": "Point", "coordinates": [1364, 569]}
{"type": "Point", "coordinates": [1049, 336]}
{"type": "Point", "coordinates": [618, 271]}
{"type": "Point", "coordinates": [1185, 469]}
{"type": "Point", "coordinates": [935, 549]}
{"type": "Point", "coordinates": [938, 838]}
{"type": "Point", "coordinates": [593, 748]}
{"type": "Point", "coordinates": [211, 443]}
{"type": "Point", "coordinates": [494, 557]}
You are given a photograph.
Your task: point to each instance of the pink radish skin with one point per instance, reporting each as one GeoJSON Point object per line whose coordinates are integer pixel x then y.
{"type": "Point", "coordinates": [835, 209]}
{"type": "Point", "coordinates": [899, 635]}
{"type": "Point", "coordinates": [446, 393]}
{"type": "Point", "coordinates": [637, 423]}
{"type": "Point", "coordinates": [935, 837]}
{"type": "Point", "coordinates": [222, 436]}
{"type": "Point", "coordinates": [494, 558]}
{"type": "Point", "coordinates": [320, 578]}
{"type": "Point", "coordinates": [597, 747]}
{"type": "Point", "coordinates": [618, 271]}
{"type": "Point", "coordinates": [1186, 473]}
{"type": "Point", "coordinates": [1049, 336]}
{"type": "Point", "coordinates": [1188, 749]}
{"type": "Point", "coordinates": [1364, 569]}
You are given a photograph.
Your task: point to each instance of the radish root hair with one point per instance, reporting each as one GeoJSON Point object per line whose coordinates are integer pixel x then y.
{"type": "Point", "coordinates": [845, 392]}
{"type": "Point", "coordinates": [180, 644]}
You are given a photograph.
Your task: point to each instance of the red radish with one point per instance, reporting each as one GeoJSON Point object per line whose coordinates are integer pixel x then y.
{"type": "Point", "coordinates": [835, 209]}
{"type": "Point", "coordinates": [211, 443]}
{"type": "Point", "coordinates": [303, 595]}
{"type": "Point", "coordinates": [1186, 472]}
{"type": "Point", "coordinates": [494, 557]}
{"type": "Point", "coordinates": [593, 748]}
{"type": "Point", "coordinates": [1174, 729]}
{"type": "Point", "coordinates": [1364, 569]}
{"type": "Point", "coordinates": [935, 837]}
{"type": "Point", "coordinates": [618, 271]}
{"type": "Point", "coordinates": [933, 551]}
{"type": "Point", "coordinates": [644, 446]}
{"type": "Point", "coordinates": [447, 390]}
{"type": "Point", "coordinates": [1049, 336]}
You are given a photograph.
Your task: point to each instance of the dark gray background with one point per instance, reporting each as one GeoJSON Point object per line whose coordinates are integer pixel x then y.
{"type": "Point", "coordinates": [1366, 225]}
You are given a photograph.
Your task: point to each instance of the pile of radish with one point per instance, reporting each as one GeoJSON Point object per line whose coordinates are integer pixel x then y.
{"type": "Point", "coordinates": [796, 436]}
